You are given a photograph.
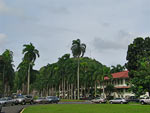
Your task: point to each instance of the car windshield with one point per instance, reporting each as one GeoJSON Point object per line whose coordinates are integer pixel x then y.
{"type": "Point", "coordinates": [20, 96]}
{"type": "Point", "coordinates": [2, 99]}
{"type": "Point", "coordinates": [50, 97]}
{"type": "Point", "coordinates": [41, 98]}
{"type": "Point", "coordinates": [118, 99]}
{"type": "Point", "coordinates": [28, 96]}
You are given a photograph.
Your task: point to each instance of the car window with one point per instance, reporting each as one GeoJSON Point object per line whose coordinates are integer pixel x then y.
{"type": "Point", "coordinates": [20, 96]}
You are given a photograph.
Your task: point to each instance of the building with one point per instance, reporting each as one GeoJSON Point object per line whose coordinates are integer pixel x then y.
{"type": "Point", "coordinates": [120, 81]}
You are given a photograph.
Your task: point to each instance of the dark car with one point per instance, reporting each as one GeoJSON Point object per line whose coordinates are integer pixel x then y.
{"type": "Point", "coordinates": [133, 99]}
{"type": "Point", "coordinates": [0, 108]}
{"type": "Point", "coordinates": [52, 99]}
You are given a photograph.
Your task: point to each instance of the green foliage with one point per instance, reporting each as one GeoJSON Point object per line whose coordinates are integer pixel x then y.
{"type": "Point", "coordinates": [117, 68]}
{"type": "Point", "coordinates": [7, 71]}
{"type": "Point", "coordinates": [109, 89]}
{"type": "Point", "coordinates": [25, 68]}
{"type": "Point", "coordinates": [78, 48]}
{"type": "Point", "coordinates": [138, 64]}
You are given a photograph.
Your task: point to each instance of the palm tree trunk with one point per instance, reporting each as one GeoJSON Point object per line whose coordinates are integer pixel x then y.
{"type": "Point", "coordinates": [95, 88]}
{"type": "Point", "coordinates": [28, 86]}
{"type": "Point", "coordinates": [72, 91]}
{"type": "Point", "coordinates": [64, 89]}
{"type": "Point", "coordinates": [4, 81]}
{"type": "Point", "coordinates": [59, 90]}
{"type": "Point", "coordinates": [103, 90]}
{"type": "Point", "coordinates": [78, 79]}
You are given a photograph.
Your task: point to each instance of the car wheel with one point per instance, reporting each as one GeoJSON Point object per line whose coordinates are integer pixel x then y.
{"type": "Point", "coordinates": [111, 102]}
{"type": "Point", "coordinates": [121, 102]}
{"type": "Point", "coordinates": [23, 103]}
{"type": "Point", "coordinates": [31, 102]}
{"type": "Point", "coordinates": [142, 103]}
{"type": "Point", "coordinates": [4, 104]}
{"type": "Point", "coordinates": [100, 102]}
{"type": "Point", "coordinates": [12, 104]}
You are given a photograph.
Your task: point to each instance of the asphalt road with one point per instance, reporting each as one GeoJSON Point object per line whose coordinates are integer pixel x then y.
{"type": "Point", "coordinates": [18, 108]}
{"type": "Point", "coordinates": [13, 109]}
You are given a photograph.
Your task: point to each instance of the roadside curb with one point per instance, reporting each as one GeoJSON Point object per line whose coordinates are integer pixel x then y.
{"type": "Point", "coordinates": [22, 110]}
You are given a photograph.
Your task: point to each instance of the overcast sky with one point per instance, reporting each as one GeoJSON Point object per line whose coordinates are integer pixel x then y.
{"type": "Point", "coordinates": [107, 27]}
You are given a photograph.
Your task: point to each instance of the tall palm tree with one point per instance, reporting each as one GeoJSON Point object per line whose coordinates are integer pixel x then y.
{"type": "Point", "coordinates": [78, 49]}
{"type": "Point", "coordinates": [105, 72]}
{"type": "Point", "coordinates": [30, 54]}
{"type": "Point", "coordinates": [8, 71]}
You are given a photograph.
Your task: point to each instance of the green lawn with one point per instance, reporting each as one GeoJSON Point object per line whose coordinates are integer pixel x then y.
{"type": "Point", "coordinates": [68, 100]}
{"type": "Point", "coordinates": [88, 108]}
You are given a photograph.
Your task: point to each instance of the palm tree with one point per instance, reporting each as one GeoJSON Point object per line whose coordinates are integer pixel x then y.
{"type": "Point", "coordinates": [78, 49]}
{"type": "Point", "coordinates": [8, 71]}
{"type": "Point", "coordinates": [105, 72]}
{"type": "Point", "coordinates": [30, 54]}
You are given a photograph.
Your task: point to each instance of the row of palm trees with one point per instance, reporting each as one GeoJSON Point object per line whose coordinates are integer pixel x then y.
{"type": "Point", "coordinates": [60, 78]}
{"type": "Point", "coordinates": [68, 77]}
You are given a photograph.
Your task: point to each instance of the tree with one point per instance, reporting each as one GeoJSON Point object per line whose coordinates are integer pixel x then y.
{"type": "Point", "coordinates": [117, 68]}
{"type": "Point", "coordinates": [30, 54]}
{"type": "Point", "coordinates": [134, 54]}
{"type": "Point", "coordinates": [138, 57]}
{"type": "Point", "coordinates": [141, 80]}
{"type": "Point", "coordinates": [109, 89]}
{"type": "Point", "coordinates": [104, 72]}
{"type": "Point", "coordinates": [7, 70]}
{"type": "Point", "coordinates": [78, 49]}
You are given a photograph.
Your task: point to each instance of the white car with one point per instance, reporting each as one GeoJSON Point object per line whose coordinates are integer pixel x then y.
{"type": "Point", "coordinates": [98, 100]}
{"type": "Point", "coordinates": [118, 101]}
{"type": "Point", "coordinates": [145, 101]}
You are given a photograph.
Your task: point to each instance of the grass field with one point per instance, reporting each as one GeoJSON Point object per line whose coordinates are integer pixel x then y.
{"type": "Point", "coordinates": [88, 108]}
{"type": "Point", "coordinates": [67, 100]}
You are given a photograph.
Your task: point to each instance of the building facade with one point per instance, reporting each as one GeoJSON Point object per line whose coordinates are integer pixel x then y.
{"type": "Point", "coordinates": [120, 82]}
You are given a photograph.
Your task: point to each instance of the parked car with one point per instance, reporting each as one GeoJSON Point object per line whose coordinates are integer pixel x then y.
{"type": "Point", "coordinates": [0, 108]}
{"type": "Point", "coordinates": [132, 99]}
{"type": "Point", "coordinates": [41, 100]}
{"type": "Point", "coordinates": [145, 101]}
{"type": "Point", "coordinates": [98, 100]}
{"type": "Point", "coordinates": [118, 101]}
{"type": "Point", "coordinates": [3, 101]}
{"type": "Point", "coordinates": [52, 99]}
{"type": "Point", "coordinates": [10, 101]}
{"type": "Point", "coordinates": [20, 100]}
{"type": "Point", "coordinates": [28, 99]}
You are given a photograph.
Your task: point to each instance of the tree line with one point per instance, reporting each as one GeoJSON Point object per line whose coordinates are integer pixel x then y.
{"type": "Point", "coordinates": [71, 77]}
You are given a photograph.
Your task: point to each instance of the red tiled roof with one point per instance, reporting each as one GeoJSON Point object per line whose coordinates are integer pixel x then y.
{"type": "Point", "coordinates": [123, 74]}
{"type": "Point", "coordinates": [122, 87]}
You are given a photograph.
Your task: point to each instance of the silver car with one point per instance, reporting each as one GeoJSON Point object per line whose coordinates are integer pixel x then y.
{"type": "Point", "coordinates": [118, 101]}
{"type": "Point", "coordinates": [98, 100]}
{"type": "Point", "coordinates": [41, 100]}
{"type": "Point", "coordinates": [3, 101]}
{"type": "Point", "coordinates": [20, 100]}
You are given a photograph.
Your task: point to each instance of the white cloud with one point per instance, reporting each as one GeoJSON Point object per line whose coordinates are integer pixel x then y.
{"type": "Point", "coordinates": [120, 41]}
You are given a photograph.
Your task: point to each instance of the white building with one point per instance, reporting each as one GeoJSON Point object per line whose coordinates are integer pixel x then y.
{"type": "Point", "coordinates": [120, 82]}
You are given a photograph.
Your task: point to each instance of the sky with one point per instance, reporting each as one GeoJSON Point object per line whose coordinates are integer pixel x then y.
{"type": "Point", "coordinates": [107, 27]}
